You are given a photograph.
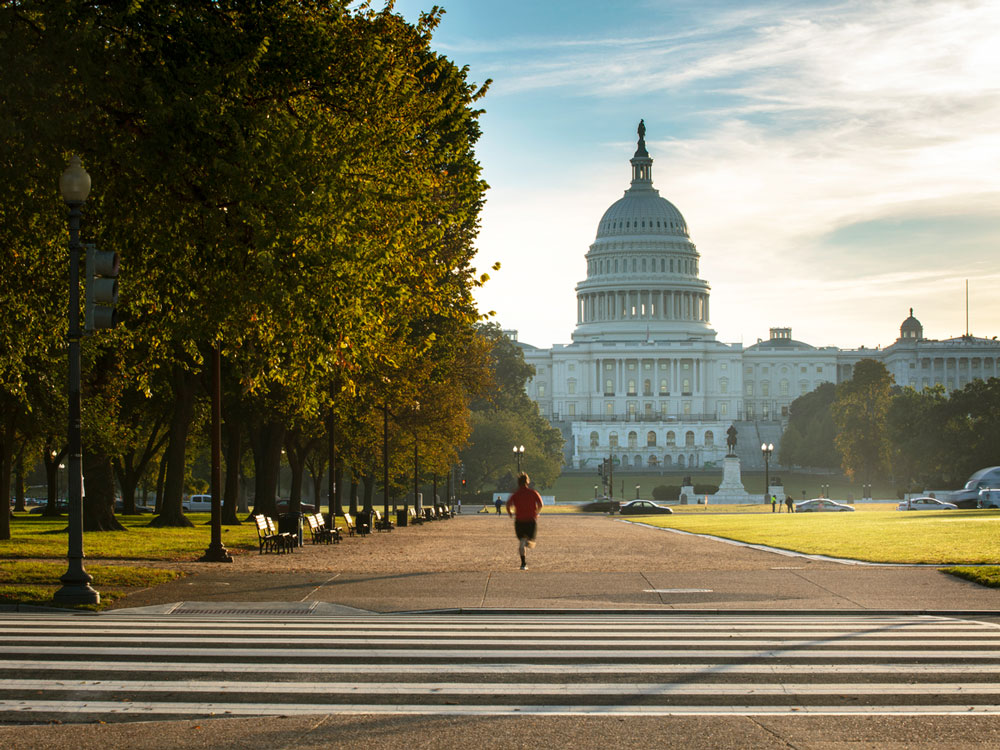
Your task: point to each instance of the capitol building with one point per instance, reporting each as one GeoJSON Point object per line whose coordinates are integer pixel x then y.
{"type": "Point", "coordinates": [645, 380]}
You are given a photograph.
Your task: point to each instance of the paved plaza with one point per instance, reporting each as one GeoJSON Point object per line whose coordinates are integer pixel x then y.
{"type": "Point", "coordinates": [431, 637]}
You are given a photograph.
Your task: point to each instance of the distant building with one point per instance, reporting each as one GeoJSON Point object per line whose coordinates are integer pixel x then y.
{"type": "Point", "coordinates": [645, 379]}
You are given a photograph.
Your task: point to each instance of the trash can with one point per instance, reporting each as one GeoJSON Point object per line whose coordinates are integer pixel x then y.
{"type": "Point", "coordinates": [401, 517]}
{"type": "Point", "coordinates": [291, 523]}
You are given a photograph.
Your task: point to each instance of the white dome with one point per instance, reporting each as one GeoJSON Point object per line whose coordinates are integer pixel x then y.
{"type": "Point", "coordinates": [642, 211]}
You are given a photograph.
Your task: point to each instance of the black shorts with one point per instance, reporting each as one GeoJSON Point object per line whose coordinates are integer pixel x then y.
{"type": "Point", "coordinates": [526, 529]}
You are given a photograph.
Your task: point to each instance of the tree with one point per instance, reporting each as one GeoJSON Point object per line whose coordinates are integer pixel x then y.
{"type": "Point", "coordinates": [504, 417]}
{"type": "Point", "coordinates": [809, 437]}
{"type": "Point", "coordinates": [860, 412]}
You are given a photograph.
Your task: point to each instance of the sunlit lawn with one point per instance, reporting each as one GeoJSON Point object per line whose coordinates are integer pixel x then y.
{"type": "Point", "coordinates": [33, 582]}
{"type": "Point", "coordinates": [39, 537]}
{"type": "Point", "coordinates": [935, 537]}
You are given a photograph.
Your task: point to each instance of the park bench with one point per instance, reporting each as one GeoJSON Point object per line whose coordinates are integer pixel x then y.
{"type": "Point", "coordinates": [355, 526]}
{"type": "Point", "coordinates": [319, 532]}
{"type": "Point", "coordinates": [268, 539]}
{"type": "Point", "coordinates": [286, 540]}
{"type": "Point", "coordinates": [430, 513]}
{"type": "Point", "coordinates": [414, 516]}
{"type": "Point", "coordinates": [444, 511]}
{"type": "Point", "coordinates": [381, 524]}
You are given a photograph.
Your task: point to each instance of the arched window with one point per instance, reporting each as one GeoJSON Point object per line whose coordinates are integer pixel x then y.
{"type": "Point", "coordinates": [633, 439]}
{"type": "Point", "coordinates": [609, 387]}
{"type": "Point", "coordinates": [688, 439]}
{"type": "Point", "coordinates": [612, 439]}
{"type": "Point", "coordinates": [652, 461]}
{"type": "Point", "coordinates": [664, 390]}
{"type": "Point", "coordinates": [680, 462]}
{"type": "Point", "coordinates": [647, 387]}
{"type": "Point", "coordinates": [671, 439]}
{"type": "Point", "coordinates": [595, 440]}
{"type": "Point", "coordinates": [624, 460]}
{"type": "Point", "coordinates": [692, 460]}
{"type": "Point", "coordinates": [650, 439]}
{"type": "Point", "coordinates": [631, 387]}
{"type": "Point", "coordinates": [637, 461]}
{"type": "Point", "coordinates": [709, 439]}
{"type": "Point", "coordinates": [668, 461]}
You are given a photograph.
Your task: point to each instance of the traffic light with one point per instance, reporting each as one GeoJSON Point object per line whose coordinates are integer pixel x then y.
{"type": "Point", "coordinates": [102, 289]}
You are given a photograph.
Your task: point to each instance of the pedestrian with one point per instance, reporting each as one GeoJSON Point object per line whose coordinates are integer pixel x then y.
{"type": "Point", "coordinates": [497, 503]}
{"type": "Point", "coordinates": [459, 506]}
{"type": "Point", "coordinates": [774, 503]}
{"type": "Point", "coordinates": [526, 504]}
{"type": "Point", "coordinates": [789, 503]}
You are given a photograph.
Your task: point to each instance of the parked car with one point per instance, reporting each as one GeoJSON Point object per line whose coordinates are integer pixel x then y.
{"type": "Point", "coordinates": [197, 504]}
{"type": "Point", "coordinates": [281, 506]}
{"type": "Point", "coordinates": [925, 503]}
{"type": "Point", "coordinates": [643, 508]}
{"type": "Point", "coordinates": [989, 498]}
{"type": "Point", "coordinates": [139, 509]}
{"type": "Point", "coordinates": [597, 506]}
{"type": "Point", "coordinates": [968, 496]}
{"type": "Point", "coordinates": [61, 507]}
{"type": "Point", "coordinates": [822, 505]}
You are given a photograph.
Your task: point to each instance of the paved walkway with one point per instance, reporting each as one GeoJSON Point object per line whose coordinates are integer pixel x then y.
{"type": "Point", "coordinates": [581, 562]}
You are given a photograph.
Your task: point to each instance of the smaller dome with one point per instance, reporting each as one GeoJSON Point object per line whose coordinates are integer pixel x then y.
{"type": "Point", "coordinates": [911, 328]}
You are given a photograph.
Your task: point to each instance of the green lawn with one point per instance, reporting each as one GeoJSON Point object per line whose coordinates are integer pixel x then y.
{"type": "Point", "coordinates": [33, 582]}
{"type": "Point", "coordinates": [39, 537]}
{"type": "Point", "coordinates": [934, 537]}
{"type": "Point", "coordinates": [579, 486]}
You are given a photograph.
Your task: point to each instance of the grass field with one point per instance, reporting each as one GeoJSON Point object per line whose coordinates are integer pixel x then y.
{"type": "Point", "coordinates": [579, 486]}
{"type": "Point", "coordinates": [935, 537]}
{"type": "Point", "coordinates": [35, 536]}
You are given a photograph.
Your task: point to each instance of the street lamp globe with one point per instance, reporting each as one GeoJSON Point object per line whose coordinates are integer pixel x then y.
{"type": "Point", "coordinates": [74, 183]}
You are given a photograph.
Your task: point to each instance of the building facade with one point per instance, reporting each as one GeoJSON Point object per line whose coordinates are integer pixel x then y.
{"type": "Point", "coordinates": [646, 381]}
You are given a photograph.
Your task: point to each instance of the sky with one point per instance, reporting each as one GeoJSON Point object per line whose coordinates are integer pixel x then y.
{"type": "Point", "coordinates": [837, 162]}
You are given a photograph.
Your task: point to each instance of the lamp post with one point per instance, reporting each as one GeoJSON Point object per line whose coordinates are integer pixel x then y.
{"type": "Point", "coordinates": [637, 492]}
{"type": "Point", "coordinates": [518, 452]}
{"type": "Point", "coordinates": [74, 185]}
{"type": "Point", "coordinates": [595, 491]}
{"type": "Point", "coordinates": [766, 449]}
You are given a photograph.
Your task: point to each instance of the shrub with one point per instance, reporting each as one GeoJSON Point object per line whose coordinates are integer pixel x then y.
{"type": "Point", "coordinates": [666, 492]}
{"type": "Point", "coordinates": [706, 489]}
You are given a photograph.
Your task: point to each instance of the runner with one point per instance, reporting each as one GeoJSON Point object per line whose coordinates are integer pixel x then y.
{"type": "Point", "coordinates": [526, 504]}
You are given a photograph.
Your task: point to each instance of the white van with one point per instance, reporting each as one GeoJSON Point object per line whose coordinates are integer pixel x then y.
{"type": "Point", "coordinates": [198, 504]}
{"type": "Point", "coordinates": [989, 498]}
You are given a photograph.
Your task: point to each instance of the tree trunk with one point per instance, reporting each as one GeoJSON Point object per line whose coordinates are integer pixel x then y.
{"type": "Point", "coordinates": [161, 479]}
{"type": "Point", "coordinates": [99, 500]}
{"type": "Point", "coordinates": [19, 480]}
{"type": "Point", "coordinates": [369, 481]}
{"type": "Point", "coordinates": [52, 479]}
{"type": "Point", "coordinates": [337, 501]}
{"type": "Point", "coordinates": [171, 512]}
{"type": "Point", "coordinates": [6, 457]}
{"type": "Point", "coordinates": [295, 450]}
{"type": "Point", "coordinates": [266, 441]}
{"type": "Point", "coordinates": [232, 433]}
{"type": "Point", "coordinates": [355, 487]}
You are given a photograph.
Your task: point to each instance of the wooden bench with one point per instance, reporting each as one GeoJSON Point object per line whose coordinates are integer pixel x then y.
{"type": "Point", "coordinates": [269, 539]}
{"type": "Point", "coordinates": [430, 513]}
{"type": "Point", "coordinates": [355, 526]}
{"type": "Point", "coordinates": [319, 532]}
{"type": "Point", "coordinates": [286, 539]}
{"type": "Point", "coordinates": [444, 512]}
{"type": "Point", "coordinates": [381, 524]}
{"type": "Point", "coordinates": [414, 516]}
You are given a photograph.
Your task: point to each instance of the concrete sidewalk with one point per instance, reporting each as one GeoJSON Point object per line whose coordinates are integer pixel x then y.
{"type": "Point", "coordinates": [581, 562]}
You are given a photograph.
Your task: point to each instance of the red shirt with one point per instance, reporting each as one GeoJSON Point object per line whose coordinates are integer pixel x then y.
{"type": "Point", "coordinates": [526, 504]}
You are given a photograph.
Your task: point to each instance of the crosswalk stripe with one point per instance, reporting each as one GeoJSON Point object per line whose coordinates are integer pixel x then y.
{"type": "Point", "coordinates": [138, 667]}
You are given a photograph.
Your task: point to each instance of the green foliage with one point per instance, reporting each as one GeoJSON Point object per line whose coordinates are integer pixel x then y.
{"type": "Point", "coordinates": [665, 492]}
{"type": "Point", "coordinates": [809, 439]}
{"type": "Point", "coordinates": [860, 412]}
{"type": "Point", "coordinates": [505, 417]}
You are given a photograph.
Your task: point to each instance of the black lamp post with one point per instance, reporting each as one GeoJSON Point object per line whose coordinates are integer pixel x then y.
{"type": "Point", "coordinates": [74, 184]}
{"type": "Point", "coordinates": [518, 452]}
{"type": "Point", "coordinates": [766, 450]}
